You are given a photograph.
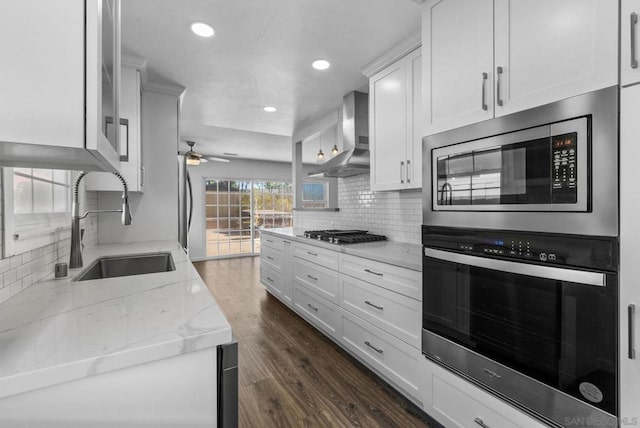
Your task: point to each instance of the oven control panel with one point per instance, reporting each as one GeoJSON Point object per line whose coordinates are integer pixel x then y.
{"type": "Point", "coordinates": [540, 248]}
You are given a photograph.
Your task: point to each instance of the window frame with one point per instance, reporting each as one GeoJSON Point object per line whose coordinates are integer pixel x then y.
{"type": "Point", "coordinates": [28, 231]}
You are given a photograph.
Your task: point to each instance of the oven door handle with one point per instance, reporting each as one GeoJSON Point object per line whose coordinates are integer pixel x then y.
{"type": "Point", "coordinates": [547, 272]}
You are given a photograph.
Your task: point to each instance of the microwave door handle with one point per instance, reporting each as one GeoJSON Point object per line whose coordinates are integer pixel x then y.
{"type": "Point", "coordinates": [547, 272]}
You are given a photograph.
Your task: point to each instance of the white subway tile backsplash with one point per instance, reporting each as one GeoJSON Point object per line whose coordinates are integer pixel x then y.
{"type": "Point", "coordinates": [398, 215]}
{"type": "Point", "coordinates": [23, 270]}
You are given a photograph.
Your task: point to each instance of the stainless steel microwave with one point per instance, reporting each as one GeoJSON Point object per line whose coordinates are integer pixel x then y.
{"type": "Point", "coordinates": [553, 168]}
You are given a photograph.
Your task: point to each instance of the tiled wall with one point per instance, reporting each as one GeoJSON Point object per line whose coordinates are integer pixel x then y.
{"type": "Point", "coordinates": [23, 270]}
{"type": "Point", "coordinates": [398, 215]}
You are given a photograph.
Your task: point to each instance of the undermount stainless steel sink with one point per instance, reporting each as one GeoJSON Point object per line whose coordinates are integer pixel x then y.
{"type": "Point", "coordinates": [131, 264]}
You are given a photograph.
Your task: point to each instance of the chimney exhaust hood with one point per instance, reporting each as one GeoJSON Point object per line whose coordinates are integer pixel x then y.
{"type": "Point", "coordinates": [354, 158]}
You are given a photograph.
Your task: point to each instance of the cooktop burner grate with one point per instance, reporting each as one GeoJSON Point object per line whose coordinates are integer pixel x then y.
{"type": "Point", "coordinates": [336, 236]}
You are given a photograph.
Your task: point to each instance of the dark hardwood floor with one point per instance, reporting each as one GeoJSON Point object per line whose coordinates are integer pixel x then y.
{"type": "Point", "coordinates": [291, 375]}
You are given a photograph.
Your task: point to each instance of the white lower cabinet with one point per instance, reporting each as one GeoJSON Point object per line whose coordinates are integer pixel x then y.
{"type": "Point", "coordinates": [316, 278]}
{"type": "Point", "coordinates": [275, 267]}
{"type": "Point", "coordinates": [318, 311]}
{"type": "Point", "coordinates": [390, 357]}
{"type": "Point", "coordinates": [454, 402]}
{"type": "Point", "coordinates": [394, 313]}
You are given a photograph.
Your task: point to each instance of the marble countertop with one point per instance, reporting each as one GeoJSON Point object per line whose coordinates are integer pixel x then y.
{"type": "Point", "coordinates": [61, 330]}
{"type": "Point", "coordinates": [396, 253]}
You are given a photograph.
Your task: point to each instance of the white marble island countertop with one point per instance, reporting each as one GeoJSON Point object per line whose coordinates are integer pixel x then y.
{"type": "Point", "coordinates": [61, 330]}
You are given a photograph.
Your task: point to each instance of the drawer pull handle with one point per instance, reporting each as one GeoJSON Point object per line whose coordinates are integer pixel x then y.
{"type": "Point", "coordinates": [481, 423]}
{"type": "Point", "coordinates": [312, 307]}
{"type": "Point", "coordinates": [269, 257]}
{"type": "Point", "coordinates": [269, 279]}
{"type": "Point", "coordinates": [312, 277]}
{"type": "Point", "coordinates": [286, 242]}
{"type": "Point", "coordinates": [374, 273]}
{"type": "Point", "coordinates": [312, 254]}
{"type": "Point", "coordinates": [631, 311]}
{"type": "Point", "coordinates": [269, 240]}
{"type": "Point", "coordinates": [379, 351]}
{"type": "Point", "coordinates": [375, 306]}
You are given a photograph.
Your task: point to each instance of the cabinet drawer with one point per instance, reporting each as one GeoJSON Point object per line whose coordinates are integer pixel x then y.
{"type": "Point", "coordinates": [272, 258]}
{"type": "Point", "coordinates": [272, 279]}
{"type": "Point", "coordinates": [270, 241]}
{"type": "Point", "coordinates": [456, 403]}
{"type": "Point", "coordinates": [321, 256]}
{"type": "Point", "coordinates": [318, 311]}
{"type": "Point", "coordinates": [394, 313]}
{"type": "Point", "coordinates": [391, 358]}
{"type": "Point", "coordinates": [318, 279]}
{"type": "Point", "coordinates": [404, 281]}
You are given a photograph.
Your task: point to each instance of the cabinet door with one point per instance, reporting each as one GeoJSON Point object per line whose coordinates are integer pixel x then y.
{"type": "Point", "coordinates": [629, 266]}
{"type": "Point", "coordinates": [415, 124]}
{"type": "Point", "coordinates": [457, 63]}
{"type": "Point", "coordinates": [42, 92]}
{"type": "Point", "coordinates": [549, 50]}
{"type": "Point", "coordinates": [629, 38]}
{"type": "Point", "coordinates": [388, 127]}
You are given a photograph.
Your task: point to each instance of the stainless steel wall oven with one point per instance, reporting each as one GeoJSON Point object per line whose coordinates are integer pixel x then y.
{"type": "Point", "coordinates": [520, 266]}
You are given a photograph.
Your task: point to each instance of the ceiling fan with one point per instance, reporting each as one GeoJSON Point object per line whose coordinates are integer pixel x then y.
{"type": "Point", "coordinates": [195, 158]}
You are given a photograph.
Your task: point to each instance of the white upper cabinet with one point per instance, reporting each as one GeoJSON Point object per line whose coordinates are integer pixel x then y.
{"type": "Point", "coordinates": [549, 50]}
{"type": "Point", "coordinates": [395, 127]}
{"type": "Point", "coordinates": [488, 58]}
{"type": "Point", "coordinates": [629, 38]}
{"type": "Point", "coordinates": [130, 142]}
{"type": "Point", "coordinates": [60, 83]}
{"type": "Point", "coordinates": [457, 64]}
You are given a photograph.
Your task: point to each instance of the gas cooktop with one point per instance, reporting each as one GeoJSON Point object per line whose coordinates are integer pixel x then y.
{"type": "Point", "coordinates": [343, 236]}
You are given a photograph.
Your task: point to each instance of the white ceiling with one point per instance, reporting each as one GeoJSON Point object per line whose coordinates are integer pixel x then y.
{"type": "Point", "coordinates": [261, 55]}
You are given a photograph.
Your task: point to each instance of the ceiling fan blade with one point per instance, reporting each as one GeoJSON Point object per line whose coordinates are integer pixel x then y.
{"type": "Point", "coordinates": [214, 159]}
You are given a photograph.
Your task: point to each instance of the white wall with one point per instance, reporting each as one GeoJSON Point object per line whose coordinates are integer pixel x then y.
{"type": "Point", "coordinates": [155, 212]}
{"type": "Point", "coordinates": [237, 168]}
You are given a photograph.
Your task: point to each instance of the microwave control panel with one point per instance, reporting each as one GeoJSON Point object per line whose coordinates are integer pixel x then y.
{"type": "Point", "coordinates": [564, 169]}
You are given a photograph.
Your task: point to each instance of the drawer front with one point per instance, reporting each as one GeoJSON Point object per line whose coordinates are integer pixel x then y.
{"type": "Point", "coordinates": [270, 241]}
{"type": "Point", "coordinates": [273, 258]}
{"type": "Point", "coordinates": [399, 315]}
{"type": "Point", "coordinates": [404, 281]}
{"type": "Point", "coordinates": [392, 358]}
{"type": "Point", "coordinates": [318, 279]}
{"type": "Point", "coordinates": [272, 279]}
{"type": "Point", "coordinates": [319, 312]}
{"type": "Point", "coordinates": [455, 402]}
{"type": "Point", "coordinates": [321, 256]}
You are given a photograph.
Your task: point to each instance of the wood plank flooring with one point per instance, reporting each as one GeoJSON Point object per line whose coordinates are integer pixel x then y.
{"type": "Point", "coordinates": [290, 375]}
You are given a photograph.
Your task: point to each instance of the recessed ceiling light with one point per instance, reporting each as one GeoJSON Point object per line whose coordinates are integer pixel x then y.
{"type": "Point", "coordinates": [202, 29]}
{"type": "Point", "coordinates": [270, 109]}
{"type": "Point", "coordinates": [321, 64]}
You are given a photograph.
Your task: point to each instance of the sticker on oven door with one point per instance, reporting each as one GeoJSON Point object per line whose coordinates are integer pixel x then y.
{"type": "Point", "coordinates": [590, 392]}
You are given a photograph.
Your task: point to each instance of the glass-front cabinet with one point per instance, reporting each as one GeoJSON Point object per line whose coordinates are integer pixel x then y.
{"type": "Point", "coordinates": [55, 113]}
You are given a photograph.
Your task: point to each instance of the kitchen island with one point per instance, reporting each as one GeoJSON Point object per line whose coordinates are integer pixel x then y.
{"type": "Point", "coordinates": [127, 351]}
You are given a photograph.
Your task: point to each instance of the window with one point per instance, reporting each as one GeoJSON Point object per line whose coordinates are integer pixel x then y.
{"type": "Point", "coordinates": [37, 205]}
{"type": "Point", "coordinates": [314, 195]}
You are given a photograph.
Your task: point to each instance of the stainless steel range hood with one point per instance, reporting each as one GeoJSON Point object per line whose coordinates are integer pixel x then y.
{"type": "Point", "coordinates": [354, 158]}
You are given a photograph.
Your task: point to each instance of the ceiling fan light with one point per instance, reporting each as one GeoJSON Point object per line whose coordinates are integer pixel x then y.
{"type": "Point", "coordinates": [192, 159]}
